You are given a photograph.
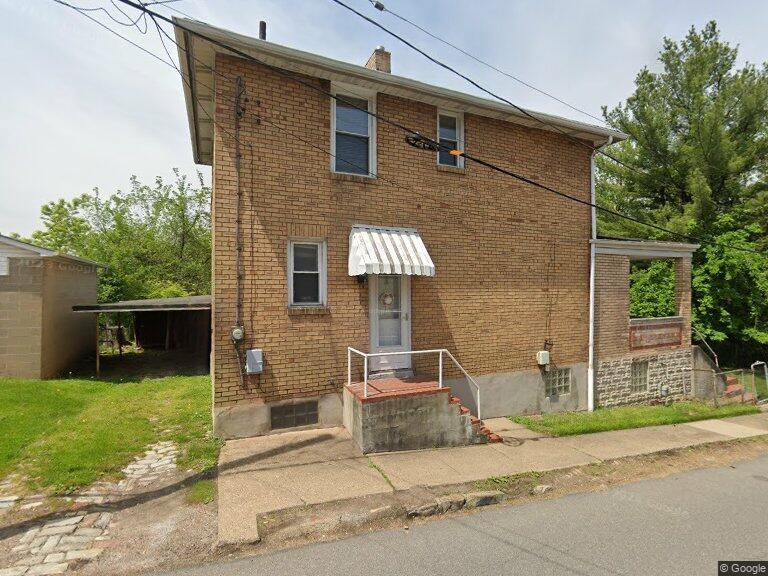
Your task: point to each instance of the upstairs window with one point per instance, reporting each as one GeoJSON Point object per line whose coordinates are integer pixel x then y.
{"type": "Point", "coordinates": [353, 143]}
{"type": "Point", "coordinates": [306, 273]}
{"type": "Point", "coordinates": [450, 134]}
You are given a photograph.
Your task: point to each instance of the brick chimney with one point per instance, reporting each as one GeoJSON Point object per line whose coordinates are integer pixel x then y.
{"type": "Point", "coordinates": [380, 60]}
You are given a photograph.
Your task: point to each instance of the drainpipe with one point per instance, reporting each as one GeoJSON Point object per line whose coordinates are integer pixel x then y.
{"type": "Point", "coordinates": [591, 360]}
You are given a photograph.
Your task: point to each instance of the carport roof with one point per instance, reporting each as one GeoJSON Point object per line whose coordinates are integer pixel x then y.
{"type": "Point", "coordinates": [150, 305]}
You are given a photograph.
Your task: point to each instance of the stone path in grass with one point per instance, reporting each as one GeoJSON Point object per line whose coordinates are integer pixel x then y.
{"type": "Point", "coordinates": [55, 546]}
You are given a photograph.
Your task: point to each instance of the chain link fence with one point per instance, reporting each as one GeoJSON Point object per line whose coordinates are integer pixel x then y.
{"type": "Point", "coordinates": [719, 387]}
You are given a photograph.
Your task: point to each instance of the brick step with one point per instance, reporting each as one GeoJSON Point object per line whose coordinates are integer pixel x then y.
{"type": "Point", "coordinates": [733, 390]}
{"type": "Point", "coordinates": [482, 433]}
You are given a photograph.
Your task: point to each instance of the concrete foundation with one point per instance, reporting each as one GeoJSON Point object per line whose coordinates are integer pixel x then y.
{"type": "Point", "coordinates": [412, 422]}
{"type": "Point", "coordinates": [245, 420]}
{"type": "Point", "coordinates": [513, 393]}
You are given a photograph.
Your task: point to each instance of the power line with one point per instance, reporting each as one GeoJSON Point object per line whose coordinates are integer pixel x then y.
{"type": "Point", "coordinates": [413, 135]}
{"type": "Point", "coordinates": [382, 8]}
{"type": "Point", "coordinates": [477, 85]}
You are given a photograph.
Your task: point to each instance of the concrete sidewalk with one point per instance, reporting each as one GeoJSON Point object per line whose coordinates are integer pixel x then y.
{"type": "Point", "coordinates": [269, 473]}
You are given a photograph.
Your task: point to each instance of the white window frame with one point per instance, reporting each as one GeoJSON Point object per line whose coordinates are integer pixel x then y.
{"type": "Point", "coordinates": [459, 135]}
{"type": "Point", "coordinates": [322, 262]}
{"type": "Point", "coordinates": [361, 94]}
{"type": "Point", "coordinates": [5, 266]}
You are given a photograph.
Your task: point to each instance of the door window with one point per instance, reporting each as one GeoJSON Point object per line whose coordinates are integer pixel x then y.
{"type": "Point", "coordinates": [389, 304]}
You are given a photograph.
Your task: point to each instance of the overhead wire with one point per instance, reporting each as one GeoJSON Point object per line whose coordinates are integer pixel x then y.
{"type": "Point", "coordinates": [434, 145]}
{"type": "Point", "coordinates": [382, 8]}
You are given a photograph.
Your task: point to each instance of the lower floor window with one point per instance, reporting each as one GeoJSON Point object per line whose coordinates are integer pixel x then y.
{"type": "Point", "coordinates": [290, 415]}
{"type": "Point", "coordinates": [639, 377]}
{"type": "Point", "coordinates": [557, 381]}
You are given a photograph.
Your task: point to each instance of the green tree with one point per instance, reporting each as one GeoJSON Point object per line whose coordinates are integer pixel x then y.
{"type": "Point", "coordinates": [155, 240]}
{"type": "Point", "coordinates": [699, 139]}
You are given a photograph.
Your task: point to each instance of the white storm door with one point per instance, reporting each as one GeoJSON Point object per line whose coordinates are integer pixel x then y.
{"type": "Point", "coordinates": [390, 320]}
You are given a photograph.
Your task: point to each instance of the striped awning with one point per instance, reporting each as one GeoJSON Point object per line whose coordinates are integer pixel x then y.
{"type": "Point", "coordinates": [382, 250]}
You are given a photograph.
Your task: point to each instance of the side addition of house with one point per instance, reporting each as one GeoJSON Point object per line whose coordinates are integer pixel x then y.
{"type": "Point", "coordinates": [404, 292]}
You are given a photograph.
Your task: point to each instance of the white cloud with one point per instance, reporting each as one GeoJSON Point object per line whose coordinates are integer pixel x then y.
{"type": "Point", "coordinates": [83, 108]}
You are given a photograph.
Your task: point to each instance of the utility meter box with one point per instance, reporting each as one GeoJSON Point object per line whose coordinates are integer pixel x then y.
{"type": "Point", "coordinates": [254, 361]}
{"type": "Point", "coordinates": [542, 357]}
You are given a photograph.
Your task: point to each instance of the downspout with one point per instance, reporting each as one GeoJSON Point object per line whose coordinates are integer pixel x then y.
{"type": "Point", "coordinates": [593, 236]}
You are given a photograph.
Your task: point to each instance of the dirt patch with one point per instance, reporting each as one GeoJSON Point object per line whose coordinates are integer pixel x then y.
{"type": "Point", "coordinates": [161, 534]}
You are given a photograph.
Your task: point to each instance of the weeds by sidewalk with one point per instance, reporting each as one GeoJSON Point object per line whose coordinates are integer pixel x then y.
{"type": "Point", "coordinates": [605, 419]}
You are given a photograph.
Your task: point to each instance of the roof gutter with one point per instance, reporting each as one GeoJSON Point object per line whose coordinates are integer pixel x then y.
{"type": "Point", "coordinates": [592, 252]}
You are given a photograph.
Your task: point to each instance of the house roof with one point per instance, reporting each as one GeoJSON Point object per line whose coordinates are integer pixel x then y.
{"type": "Point", "coordinates": [197, 58]}
{"type": "Point", "coordinates": [44, 252]}
{"type": "Point", "coordinates": [150, 305]}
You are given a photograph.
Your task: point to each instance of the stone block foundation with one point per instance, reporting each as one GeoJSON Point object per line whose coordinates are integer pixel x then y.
{"type": "Point", "coordinates": [670, 370]}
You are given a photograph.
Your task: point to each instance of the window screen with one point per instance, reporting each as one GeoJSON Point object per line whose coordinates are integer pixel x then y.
{"type": "Point", "coordinates": [306, 273]}
{"type": "Point", "coordinates": [352, 136]}
{"type": "Point", "coordinates": [448, 134]}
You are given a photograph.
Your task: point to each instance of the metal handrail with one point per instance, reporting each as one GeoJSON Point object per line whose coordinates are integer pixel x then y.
{"type": "Point", "coordinates": [439, 351]}
{"type": "Point", "coordinates": [704, 341]}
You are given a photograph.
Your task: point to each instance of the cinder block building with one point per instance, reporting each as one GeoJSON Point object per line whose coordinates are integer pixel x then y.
{"type": "Point", "coordinates": [40, 335]}
{"type": "Point", "coordinates": [404, 292]}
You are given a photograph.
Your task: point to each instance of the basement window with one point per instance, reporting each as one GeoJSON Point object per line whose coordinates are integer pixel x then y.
{"type": "Point", "coordinates": [306, 273]}
{"type": "Point", "coordinates": [639, 376]}
{"type": "Point", "coordinates": [292, 415]}
{"type": "Point", "coordinates": [557, 381]}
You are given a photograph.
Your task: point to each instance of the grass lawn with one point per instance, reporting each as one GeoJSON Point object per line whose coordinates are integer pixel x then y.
{"type": "Point", "coordinates": [63, 434]}
{"type": "Point", "coordinates": [570, 423]}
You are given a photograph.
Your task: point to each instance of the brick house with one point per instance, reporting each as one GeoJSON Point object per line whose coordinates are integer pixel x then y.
{"type": "Point", "coordinates": [351, 238]}
{"type": "Point", "coordinates": [40, 336]}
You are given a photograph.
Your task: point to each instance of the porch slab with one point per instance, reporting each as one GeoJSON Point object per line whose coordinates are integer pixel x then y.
{"type": "Point", "coordinates": [385, 388]}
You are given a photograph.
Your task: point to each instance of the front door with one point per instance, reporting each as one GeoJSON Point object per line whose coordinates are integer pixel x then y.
{"type": "Point", "coordinates": [390, 320]}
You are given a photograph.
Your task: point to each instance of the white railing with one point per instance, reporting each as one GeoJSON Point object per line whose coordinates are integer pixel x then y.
{"type": "Point", "coordinates": [440, 353]}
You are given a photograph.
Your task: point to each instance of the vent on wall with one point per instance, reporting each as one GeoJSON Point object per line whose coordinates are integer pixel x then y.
{"type": "Point", "coordinates": [290, 415]}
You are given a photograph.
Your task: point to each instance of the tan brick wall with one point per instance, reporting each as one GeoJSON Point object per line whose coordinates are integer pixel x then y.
{"type": "Point", "coordinates": [683, 295]}
{"type": "Point", "coordinates": [21, 315]}
{"type": "Point", "coordinates": [611, 305]}
{"type": "Point", "coordinates": [510, 259]}
{"type": "Point", "coordinates": [67, 336]}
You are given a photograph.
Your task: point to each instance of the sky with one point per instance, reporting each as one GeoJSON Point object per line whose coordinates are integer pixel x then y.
{"type": "Point", "coordinates": [84, 109]}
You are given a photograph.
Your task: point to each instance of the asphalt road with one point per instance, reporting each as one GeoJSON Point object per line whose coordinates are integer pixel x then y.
{"type": "Point", "coordinates": [682, 524]}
